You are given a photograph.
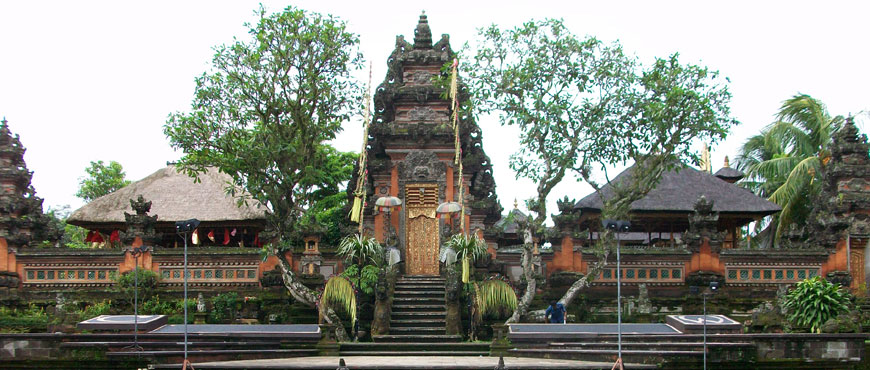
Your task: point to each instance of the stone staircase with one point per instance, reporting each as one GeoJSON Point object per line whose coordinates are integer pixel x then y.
{"type": "Point", "coordinates": [417, 325]}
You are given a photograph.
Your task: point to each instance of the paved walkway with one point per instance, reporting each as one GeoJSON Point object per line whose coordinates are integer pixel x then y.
{"type": "Point", "coordinates": [408, 362]}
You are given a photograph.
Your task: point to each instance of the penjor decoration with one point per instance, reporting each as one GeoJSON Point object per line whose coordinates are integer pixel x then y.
{"type": "Point", "coordinates": [356, 212]}
{"type": "Point", "coordinates": [457, 160]}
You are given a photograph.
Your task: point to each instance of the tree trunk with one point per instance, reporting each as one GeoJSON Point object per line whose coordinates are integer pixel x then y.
{"type": "Point", "coordinates": [531, 286]}
{"type": "Point", "coordinates": [583, 282]}
{"type": "Point", "coordinates": [308, 297]}
{"type": "Point", "coordinates": [573, 291]}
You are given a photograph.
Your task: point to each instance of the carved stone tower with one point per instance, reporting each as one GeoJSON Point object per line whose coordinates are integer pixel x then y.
{"type": "Point", "coordinates": [21, 219]}
{"type": "Point", "coordinates": [840, 222]}
{"type": "Point", "coordinates": [411, 152]}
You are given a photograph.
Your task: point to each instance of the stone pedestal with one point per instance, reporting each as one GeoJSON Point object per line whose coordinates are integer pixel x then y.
{"type": "Point", "coordinates": [500, 343]}
{"type": "Point", "coordinates": [199, 317]}
{"type": "Point", "coordinates": [328, 345]}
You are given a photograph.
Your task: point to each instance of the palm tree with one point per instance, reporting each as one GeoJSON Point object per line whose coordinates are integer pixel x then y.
{"type": "Point", "coordinates": [784, 162]}
{"type": "Point", "coordinates": [361, 250]}
{"type": "Point", "coordinates": [468, 249]}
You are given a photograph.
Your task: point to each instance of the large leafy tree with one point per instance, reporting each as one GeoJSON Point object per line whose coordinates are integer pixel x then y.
{"type": "Point", "coordinates": [102, 179]}
{"type": "Point", "coordinates": [581, 104]}
{"type": "Point", "coordinates": [264, 112]}
{"type": "Point", "coordinates": [784, 162]}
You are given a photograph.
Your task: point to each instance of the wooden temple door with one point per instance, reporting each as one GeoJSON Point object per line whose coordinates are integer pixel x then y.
{"type": "Point", "coordinates": [856, 264]}
{"type": "Point", "coordinates": [421, 229]}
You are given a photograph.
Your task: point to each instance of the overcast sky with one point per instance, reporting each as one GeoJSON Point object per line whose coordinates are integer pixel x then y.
{"type": "Point", "coordinates": [83, 81]}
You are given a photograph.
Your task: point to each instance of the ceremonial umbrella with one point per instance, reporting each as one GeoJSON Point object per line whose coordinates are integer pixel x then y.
{"type": "Point", "coordinates": [385, 203]}
{"type": "Point", "coordinates": [447, 208]}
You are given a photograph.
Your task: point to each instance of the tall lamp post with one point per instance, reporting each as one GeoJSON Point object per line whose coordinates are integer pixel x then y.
{"type": "Point", "coordinates": [714, 287]}
{"type": "Point", "coordinates": [618, 227]}
{"type": "Point", "coordinates": [136, 252]}
{"type": "Point", "coordinates": [184, 228]}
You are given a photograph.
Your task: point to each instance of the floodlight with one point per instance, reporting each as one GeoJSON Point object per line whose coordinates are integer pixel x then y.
{"type": "Point", "coordinates": [186, 226]}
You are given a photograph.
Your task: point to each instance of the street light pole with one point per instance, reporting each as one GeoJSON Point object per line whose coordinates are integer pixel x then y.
{"type": "Point", "coordinates": [618, 227]}
{"type": "Point", "coordinates": [705, 329]}
{"type": "Point", "coordinates": [618, 300]}
{"type": "Point", "coordinates": [184, 228]}
{"type": "Point", "coordinates": [136, 252]}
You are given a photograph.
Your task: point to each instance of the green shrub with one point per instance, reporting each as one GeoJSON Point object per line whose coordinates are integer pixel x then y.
{"type": "Point", "coordinates": [96, 309]}
{"type": "Point", "coordinates": [148, 281]}
{"type": "Point", "coordinates": [31, 319]}
{"type": "Point", "coordinates": [225, 306]}
{"type": "Point", "coordinates": [155, 306]}
{"type": "Point", "coordinates": [814, 301]}
{"type": "Point", "coordinates": [369, 277]}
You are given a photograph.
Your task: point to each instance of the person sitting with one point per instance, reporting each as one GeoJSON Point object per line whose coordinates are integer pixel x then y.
{"type": "Point", "coordinates": [556, 313]}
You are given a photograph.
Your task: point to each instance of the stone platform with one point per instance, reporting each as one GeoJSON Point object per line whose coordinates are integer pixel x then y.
{"type": "Point", "coordinates": [406, 362]}
{"type": "Point", "coordinates": [123, 322]}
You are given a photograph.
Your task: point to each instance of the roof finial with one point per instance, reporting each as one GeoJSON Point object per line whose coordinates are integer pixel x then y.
{"type": "Point", "coordinates": [423, 35]}
{"type": "Point", "coordinates": [515, 203]}
{"type": "Point", "coordinates": [727, 163]}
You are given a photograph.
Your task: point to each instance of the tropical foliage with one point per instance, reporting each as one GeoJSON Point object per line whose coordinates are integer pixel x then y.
{"type": "Point", "coordinates": [146, 281]}
{"type": "Point", "coordinates": [467, 249]}
{"type": "Point", "coordinates": [814, 301]}
{"type": "Point", "coordinates": [265, 110]}
{"type": "Point", "coordinates": [102, 179]}
{"type": "Point", "coordinates": [361, 250]}
{"type": "Point", "coordinates": [785, 161]}
{"type": "Point", "coordinates": [338, 294]}
{"type": "Point", "coordinates": [493, 298]}
{"type": "Point", "coordinates": [264, 113]}
{"type": "Point", "coordinates": [583, 105]}
{"type": "Point", "coordinates": [225, 306]}
{"type": "Point", "coordinates": [365, 279]}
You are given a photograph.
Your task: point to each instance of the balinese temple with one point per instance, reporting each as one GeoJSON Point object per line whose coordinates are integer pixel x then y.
{"type": "Point", "coordinates": [686, 232]}
{"type": "Point", "coordinates": [411, 155]}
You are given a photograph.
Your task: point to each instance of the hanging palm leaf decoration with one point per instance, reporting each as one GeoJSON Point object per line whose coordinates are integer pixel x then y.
{"type": "Point", "coordinates": [457, 159]}
{"type": "Point", "coordinates": [468, 249]}
{"type": "Point", "coordinates": [493, 297]}
{"type": "Point", "coordinates": [340, 295]}
{"type": "Point", "coordinates": [359, 194]}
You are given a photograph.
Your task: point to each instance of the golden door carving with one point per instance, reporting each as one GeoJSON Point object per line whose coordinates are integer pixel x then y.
{"type": "Point", "coordinates": [421, 230]}
{"type": "Point", "coordinates": [856, 266]}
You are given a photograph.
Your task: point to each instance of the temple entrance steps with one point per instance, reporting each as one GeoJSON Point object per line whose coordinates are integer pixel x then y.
{"type": "Point", "coordinates": [418, 325]}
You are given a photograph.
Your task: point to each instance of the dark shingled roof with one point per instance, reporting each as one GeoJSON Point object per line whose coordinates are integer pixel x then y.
{"type": "Point", "coordinates": [679, 190]}
{"type": "Point", "coordinates": [511, 227]}
{"type": "Point", "coordinates": [729, 173]}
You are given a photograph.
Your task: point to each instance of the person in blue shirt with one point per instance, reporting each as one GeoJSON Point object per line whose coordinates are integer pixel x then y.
{"type": "Point", "coordinates": [556, 313]}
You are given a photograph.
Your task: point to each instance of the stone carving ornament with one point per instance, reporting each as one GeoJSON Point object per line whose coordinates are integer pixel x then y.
{"type": "Point", "coordinates": [422, 165]}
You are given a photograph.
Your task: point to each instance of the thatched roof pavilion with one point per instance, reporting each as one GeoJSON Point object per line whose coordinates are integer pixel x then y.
{"type": "Point", "coordinates": [175, 196]}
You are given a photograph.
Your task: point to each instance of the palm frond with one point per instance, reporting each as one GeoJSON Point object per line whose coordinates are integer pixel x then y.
{"type": "Point", "coordinates": [339, 294]}
{"type": "Point", "coordinates": [493, 297]}
{"type": "Point", "coordinates": [468, 249]}
{"type": "Point", "coordinates": [361, 249]}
